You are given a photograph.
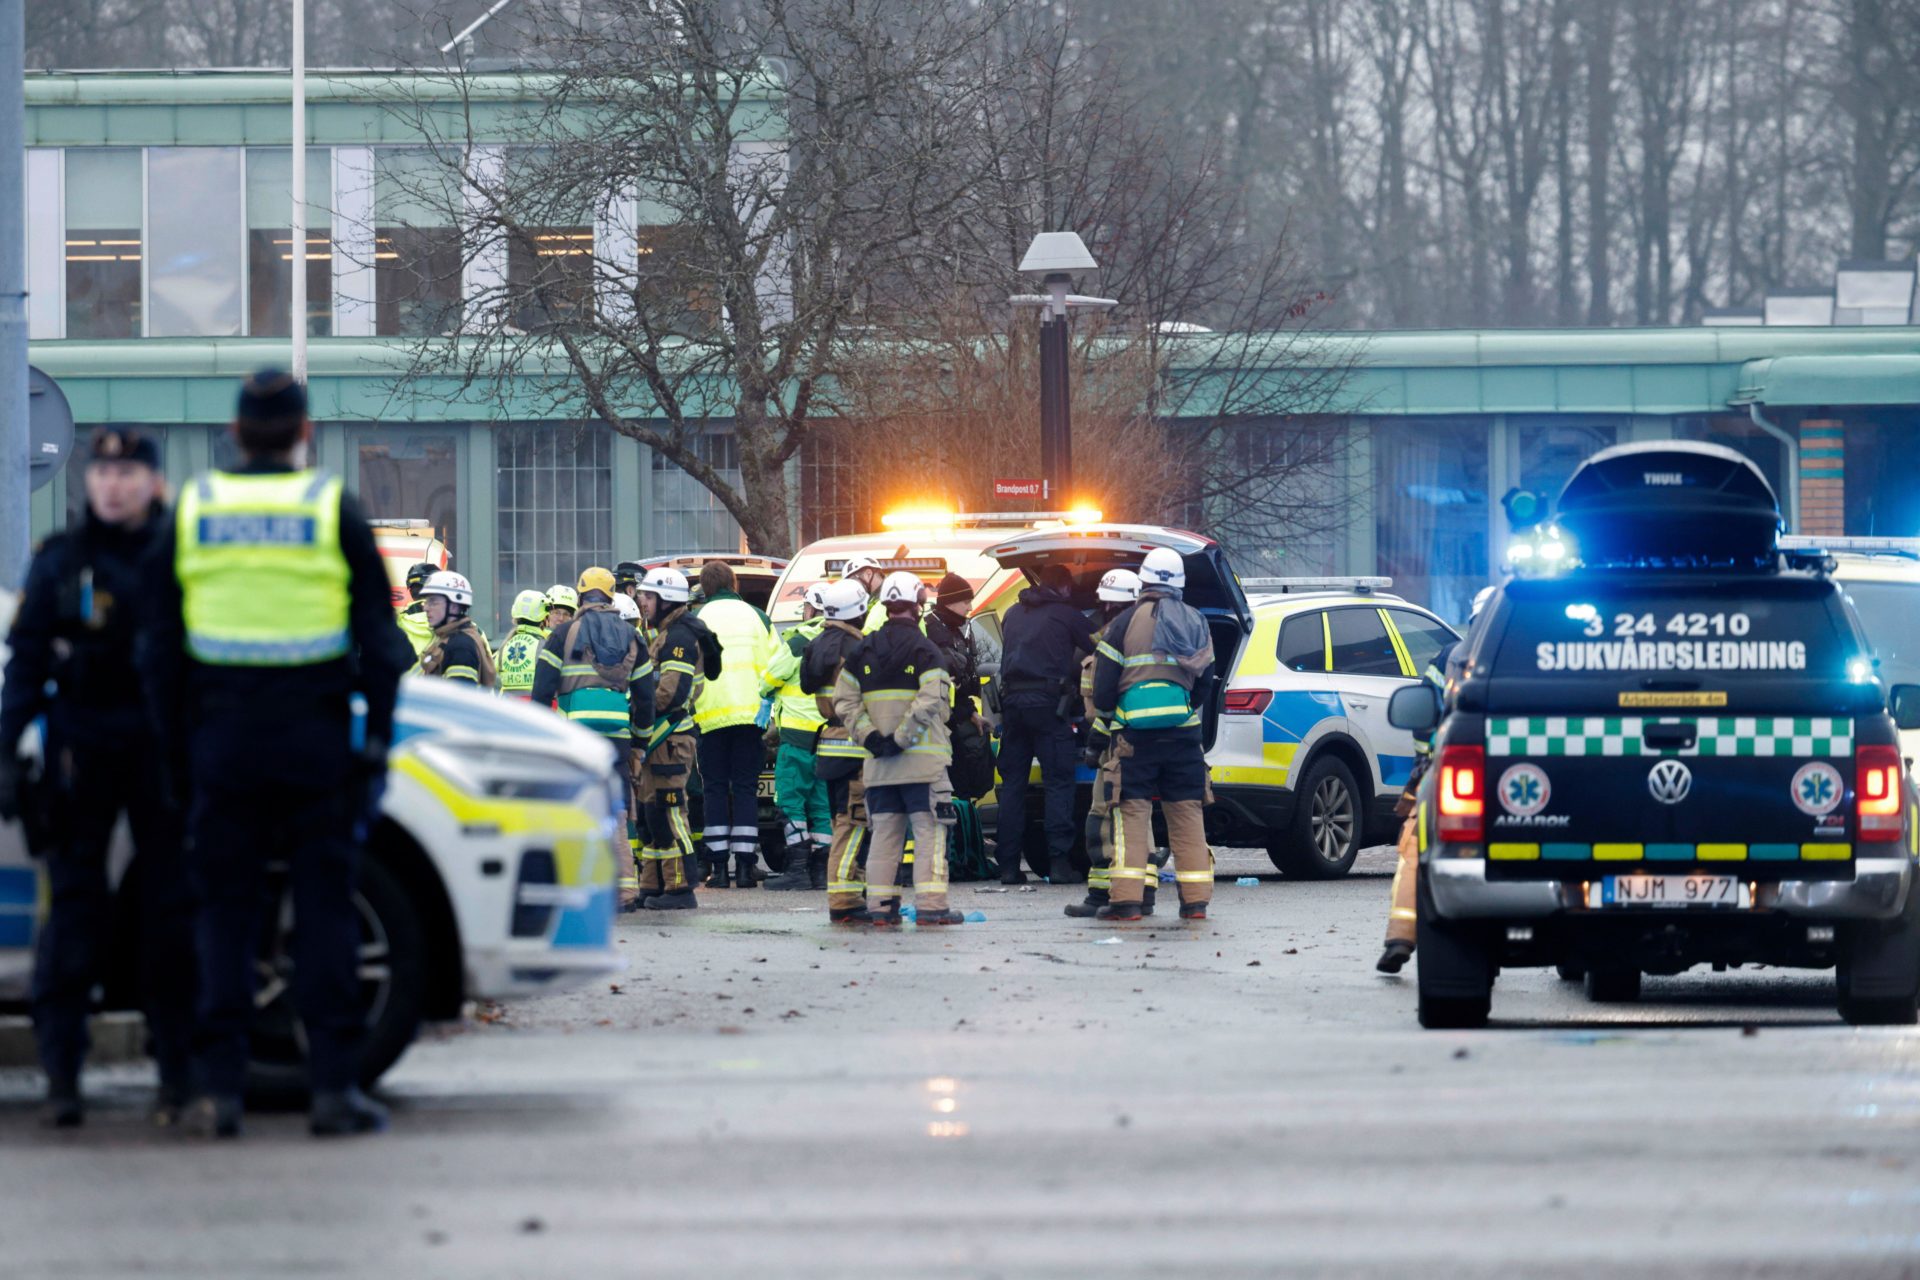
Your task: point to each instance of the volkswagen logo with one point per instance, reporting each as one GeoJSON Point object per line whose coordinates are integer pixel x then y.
{"type": "Point", "coordinates": [1670, 781]}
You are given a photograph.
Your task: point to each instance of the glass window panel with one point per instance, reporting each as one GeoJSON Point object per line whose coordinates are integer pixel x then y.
{"type": "Point", "coordinates": [1303, 645]}
{"type": "Point", "coordinates": [416, 254]}
{"type": "Point", "coordinates": [270, 188]}
{"type": "Point", "coordinates": [1423, 637]}
{"type": "Point", "coordinates": [553, 539]}
{"type": "Point", "coordinates": [1431, 509]}
{"type": "Point", "coordinates": [104, 242]}
{"type": "Point", "coordinates": [1551, 448]}
{"type": "Point", "coordinates": [686, 516]}
{"type": "Point", "coordinates": [193, 276]}
{"type": "Point", "coordinates": [270, 241]}
{"type": "Point", "coordinates": [1361, 646]}
{"type": "Point", "coordinates": [413, 475]}
{"type": "Point", "coordinates": [413, 187]}
{"type": "Point", "coordinates": [550, 276]}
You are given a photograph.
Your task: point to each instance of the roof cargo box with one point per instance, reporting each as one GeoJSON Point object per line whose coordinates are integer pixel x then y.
{"type": "Point", "coordinates": [1670, 505]}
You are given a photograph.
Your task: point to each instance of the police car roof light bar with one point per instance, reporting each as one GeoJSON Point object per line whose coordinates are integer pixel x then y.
{"type": "Point", "coordinates": [1909, 547]}
{"type": "Point", "coordinates": [1284, 585]}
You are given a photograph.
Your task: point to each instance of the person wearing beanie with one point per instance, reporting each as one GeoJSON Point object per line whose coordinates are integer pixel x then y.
{"type": "Point", "coordinates": [72, 661]}
{"type": "Point", "coordinates": [270, 613]}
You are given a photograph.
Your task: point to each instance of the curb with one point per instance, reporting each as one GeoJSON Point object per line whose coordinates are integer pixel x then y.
{"type": "Point", "coordinates": [117, 1038]}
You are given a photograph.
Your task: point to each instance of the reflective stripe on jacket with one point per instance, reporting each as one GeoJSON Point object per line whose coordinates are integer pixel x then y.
{"type": "Point", "coordinates": [263, 580]}
{"type": "Point", "coordinates": [594, 697]}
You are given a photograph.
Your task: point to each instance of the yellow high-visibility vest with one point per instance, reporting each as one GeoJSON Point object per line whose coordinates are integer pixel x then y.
{"type": "Point", "coordinates": [263, 579]}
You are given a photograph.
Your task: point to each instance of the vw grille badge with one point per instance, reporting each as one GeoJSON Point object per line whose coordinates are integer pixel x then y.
{"type": "Point", "coordinates": [1670, 781]}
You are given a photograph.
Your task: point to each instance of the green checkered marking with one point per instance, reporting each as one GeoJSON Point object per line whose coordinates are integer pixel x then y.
{"type": "Point", "coordinates": [1760, 736]}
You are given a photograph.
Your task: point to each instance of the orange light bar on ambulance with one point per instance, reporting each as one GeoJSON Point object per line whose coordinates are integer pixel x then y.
{"type": "Point", "coordinates": [917, 518]}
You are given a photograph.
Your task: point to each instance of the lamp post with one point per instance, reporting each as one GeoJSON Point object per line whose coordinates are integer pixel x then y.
{"type": "Point", "coordinates": [1055, 256]}
{"type": "Point", "coordinates": [298, 231]}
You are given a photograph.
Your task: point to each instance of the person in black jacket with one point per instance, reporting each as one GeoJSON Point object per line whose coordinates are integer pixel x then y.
{"type": "Point", "coordinates": [1044, 638]}
{"type": "Point", "coordinates": [269, 612]}
{"type": "Point", "coordinates": [73, 661]}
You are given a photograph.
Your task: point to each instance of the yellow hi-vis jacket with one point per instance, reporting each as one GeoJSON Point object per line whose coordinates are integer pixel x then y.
{"type": "Point", "coordinates": [799, 714]}
{"type": "Point", "coordinates": [747, 645]}
{"type": "Point", "coordinates": [263, 580]}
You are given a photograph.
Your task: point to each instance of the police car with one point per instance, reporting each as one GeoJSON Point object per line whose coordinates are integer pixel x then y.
{"type": "Point", "coordinates": [1881, 577]}
{"type": "Point", "coordinates": [1303, 761]}
{"type": "Point", "coordinates": [1675, 753]}
{"type": "Point", "coordinates": [490, 875]}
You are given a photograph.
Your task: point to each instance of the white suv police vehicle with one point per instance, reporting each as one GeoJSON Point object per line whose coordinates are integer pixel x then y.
{"type": "Point", "coordinates": [1302, 760]}
{"type": "Point", "coordinates": [1676, 753]}
{"type": "Point", "coordinates": [490, 875]}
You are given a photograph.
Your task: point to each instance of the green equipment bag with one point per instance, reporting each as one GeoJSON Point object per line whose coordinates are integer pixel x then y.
{"type": "Point", "coordinates": [967, 855]}
{"type": "Point", "coordinates": [1154, 704]}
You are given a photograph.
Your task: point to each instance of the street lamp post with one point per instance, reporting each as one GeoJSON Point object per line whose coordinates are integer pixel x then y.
{"type": "Point", "coordinates": [1055, 256]}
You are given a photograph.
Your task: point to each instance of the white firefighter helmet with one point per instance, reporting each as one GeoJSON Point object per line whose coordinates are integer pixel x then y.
{"type": "Point", "coordinates": [1118, 586]}
{"type": "Point", "coordinates": [453, 586]}
{"type": "Point", "coordinates": [1163, 567]}
{"type": "Point", "coordinates": [666, 582]}
{"type": "Point", "coordinates": [846, 601]}
{"type": "Point", "coordinates": [530, 606]}
{"type": "Point", "coordinates": [816, 597]}
{"type": "Point", "coordinates": [623, 604]}
{"type": "Point", "coordinates": [901, 587]}
{"type": "Point", "coordinates": [858, 564]}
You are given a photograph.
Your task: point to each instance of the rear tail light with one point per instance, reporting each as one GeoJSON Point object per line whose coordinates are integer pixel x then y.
{"type": "Point", "coordinates": [1878, 793]}
{"type": "Point", "coordinates": [1462, 792]}
{"type": "Point", "coordinates": [1247, 702]}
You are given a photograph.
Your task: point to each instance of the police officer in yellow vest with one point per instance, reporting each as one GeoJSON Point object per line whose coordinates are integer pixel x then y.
{"type": "Point", "coordinates": [519, 656]}
{"type": "Point", "coordinates": [733, 716]}
{"type": "Point", "coordinates": [1152, 673]}
{"type": "Point", "coordinates": [271, 613]}
{"type": "Point", "coordinates": [596, 671]}
{"type": "Point", "coordinates": [797, 789]}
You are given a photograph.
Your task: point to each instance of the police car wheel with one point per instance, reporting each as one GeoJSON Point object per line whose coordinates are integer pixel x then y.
{"type": "Point", "coordinates": [1324, 836]}
{"type": "Point", "coordinates": [1895, 1012]}
{"type": "Point", "coordinates": [1613, 986]}
{"type": "Point", "coordinates": [393, 981]}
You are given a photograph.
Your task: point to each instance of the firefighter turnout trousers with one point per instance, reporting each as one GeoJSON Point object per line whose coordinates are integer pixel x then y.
{"type": "Point", "coordinates": [890, 811]}
{"type": "Point", "coordinates": [666, 841]}
{"type": "Point", "coordinates": [1169, 765]}
{"type": "Point", "coordinates": [1402, 918]}
{"type": "Point", "coordinates": [846, 880]}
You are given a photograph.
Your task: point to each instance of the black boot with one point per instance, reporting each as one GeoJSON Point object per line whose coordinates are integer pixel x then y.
{"type": "Point", "coordinates": [884, 914]}
{"type": "Point", "coordinates": [946, 915]}
{"type": "Point", "coordinates": [1061, 871]}
{"type": "Point", "coordinates": [715, 863]}
{"type": "Point", "coordinates": [1118, 911]}
{"type": "Point", "coordinates": [1146, 899]}
{"type": "Point", "coordinates": [64, 1109]}
{"type": "Point", "coordinates": [672, 900]}
{"type": "Point", "coordinates": [340, 1113]}
{"type": "Point", "coordinates": [1096, 899]}
{"type": "Point", "coordinates": [849, 915]}
{"type": "Point", "coordinates": [1395, 957]}
{"type": "Point", "coordinates": [796, 874]}
{"type": "Point", "coordinates": [746, 867]}
{"type": "Point", "coordinates": [1010, 869]}
{"type": "Point", "coordinates": [213, 1115]}
{"type": "Point", "coordinates": [171, 1100]}
{"type": "Point", "coordinates": [1193, 911]}
{"type": "Point", "coordinates": [817, 869]}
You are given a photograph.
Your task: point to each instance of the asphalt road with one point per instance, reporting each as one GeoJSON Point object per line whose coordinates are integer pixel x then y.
{"type": "Point", "coordinates": [762, 1095]}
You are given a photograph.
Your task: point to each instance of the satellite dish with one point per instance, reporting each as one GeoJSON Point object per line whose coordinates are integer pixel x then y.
{"type": "Point", "coordinates": [49, 427]}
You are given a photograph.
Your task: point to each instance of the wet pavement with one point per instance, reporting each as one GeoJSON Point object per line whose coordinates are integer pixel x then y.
{"type": "Point", "coordinates": [1032, 1095]}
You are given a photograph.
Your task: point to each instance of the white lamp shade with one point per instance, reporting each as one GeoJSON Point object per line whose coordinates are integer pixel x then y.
{"type": "Point", "coordinates": [1057, 251]}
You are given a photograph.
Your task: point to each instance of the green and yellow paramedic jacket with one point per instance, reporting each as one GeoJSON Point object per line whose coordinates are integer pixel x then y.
{"type": "Point", "coordinates": [798, 715]}
{"type": "Point", "coordinates": [747, 647]}
{"type": "Point", "coordinates": [519, 660]}
{"type": "Point", "coordinates": [612, 699]}
{"type": "Point", "coordinates": [1139, 689]}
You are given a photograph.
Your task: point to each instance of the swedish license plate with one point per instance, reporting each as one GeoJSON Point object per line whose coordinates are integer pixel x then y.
{"type": "Point", "coordinates": [1669, 891]}
{"type": "Point", "coordinates": [765, 789]}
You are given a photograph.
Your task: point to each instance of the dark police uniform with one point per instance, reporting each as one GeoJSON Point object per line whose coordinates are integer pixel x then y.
{"type": "Point", "coordinates": [1044, 637]}
{"type": "Point", "coordinates": [72, 661]}
{"type": "Point", "coordinates": [271, 612]}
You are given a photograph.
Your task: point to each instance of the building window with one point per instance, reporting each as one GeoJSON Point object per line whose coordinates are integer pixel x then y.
{"type": "Point", "coordinates": [417, 257]}
{"type": "Point", "coordinates": [194, 237]}
{"type": "Point", "coordinates": [1430, 509]}
{"type": "Point", "coordinates": [686, 515]}
{"type": "Point", "coordinates": [554, 492]}
{"type": "Point", "coordinates": [413, 475]}
{"type": "Point", "coordinates": [270, 241]}
{"type": "Point", "coordinates": [104, 239]}
{"type": "Point", "coordinates": [550, 277]}
{"type": "Point", "coordinates": [1551, 449]}
{"type": "Point", "coordinates": [839, 497]}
